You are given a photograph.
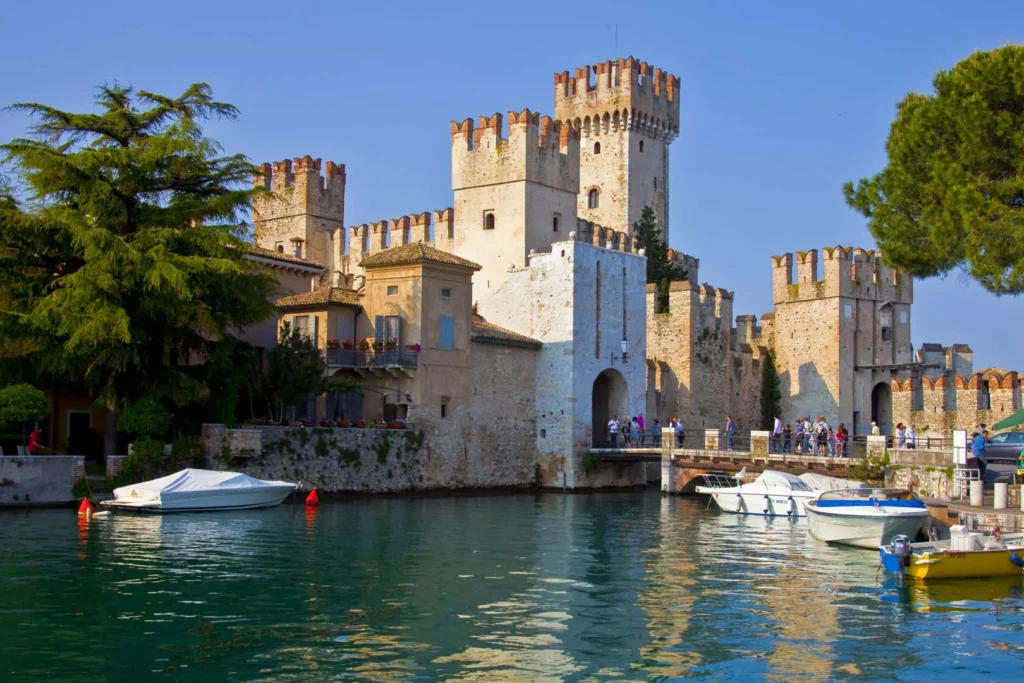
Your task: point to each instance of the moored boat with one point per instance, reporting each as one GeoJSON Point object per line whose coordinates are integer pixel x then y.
{"type": "Point", "coordinates": [866, 518]}
{"type": "Point", "coordinates": [965, 555]}
{"type": "Point", "coordinates": [194, 490]}
{"type": "Point", "coordinates": [772, 494]}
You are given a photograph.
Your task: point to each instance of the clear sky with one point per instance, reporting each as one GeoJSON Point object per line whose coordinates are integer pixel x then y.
{"type": "Point", "coordinates": [782, 102]}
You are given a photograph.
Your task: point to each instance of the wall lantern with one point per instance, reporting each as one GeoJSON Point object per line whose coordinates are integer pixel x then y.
{"type": "Point", "coordinates": [624, 345]}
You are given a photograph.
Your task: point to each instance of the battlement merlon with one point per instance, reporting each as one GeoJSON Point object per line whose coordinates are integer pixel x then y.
{"type": "Point", "coordinates": [844, 271]}
{"type": "Point", "coordinates": [280, 175]}
{"type": "Point", "coordinates": [298, 202]}
{"type": "Point", "coordinates": [626, 86]}
{"type": "Point", "coordinates": [538, 149]}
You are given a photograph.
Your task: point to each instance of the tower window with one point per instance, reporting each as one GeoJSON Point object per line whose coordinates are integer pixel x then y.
{"type": "Point", "coordinates": [641, 146]}
{"type": "Point", "coordinates": [489, 220]}
{"type": "Point", "coordinates": [279, 247]}
{"type": "Point", "coordinates": [655, 183]}
{"type": "Point", "coordinates": [555, 220]}
{"type": "Point", "coordinates": [593, 199]}
{"type": "Point", "coordinates": [597, 148]}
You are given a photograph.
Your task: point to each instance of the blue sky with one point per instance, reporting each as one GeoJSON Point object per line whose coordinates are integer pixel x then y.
{"type": "Point", "coordinates": [781, 103]}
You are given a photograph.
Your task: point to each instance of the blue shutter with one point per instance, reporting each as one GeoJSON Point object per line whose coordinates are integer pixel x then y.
{"type": "Point", "coordinates": [447, 332]}
{"type": "Point", "coordinates": [378, 328]}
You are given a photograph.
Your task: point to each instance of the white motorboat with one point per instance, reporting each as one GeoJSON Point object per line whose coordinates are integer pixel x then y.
{"type": "Point", "coordinates": [772, 494]}
{"type": "Point", "coordinates": [867, 518]}
{"type": "Point", "coordinates": [193, 490]}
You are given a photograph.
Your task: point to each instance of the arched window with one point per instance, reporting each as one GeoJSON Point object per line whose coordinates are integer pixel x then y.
{"type": "Point", "coordinates": [641, 146]}
{"type": "Point", "coordinates": [489, 221]}
{"type": "Point", "coordinates": [280, 249]}
{"type": "Point", "coordinates": [593, 199]}
{"type": "Point", "coordinates": [597, 148]}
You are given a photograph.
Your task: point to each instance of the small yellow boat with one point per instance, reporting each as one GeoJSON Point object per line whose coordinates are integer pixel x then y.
{"type": "Point", "coordinates": [966, 555]}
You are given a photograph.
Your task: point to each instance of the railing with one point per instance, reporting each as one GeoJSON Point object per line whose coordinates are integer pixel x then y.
{"type": "Point", "coordinates": [373, 358]}
{"type": "Point", "coordinates": [694, 440]}
{"type": "Point", "coordinates": [853, 447]}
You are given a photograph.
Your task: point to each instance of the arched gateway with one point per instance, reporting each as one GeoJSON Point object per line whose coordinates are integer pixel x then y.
{"type": "Point", "coordinates": [610, 398]}
{"type": "Point", "coordinates": [881, 407]}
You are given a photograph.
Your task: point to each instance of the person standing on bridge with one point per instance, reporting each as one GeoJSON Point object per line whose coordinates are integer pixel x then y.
{"type": "Point", "coordinates": [613, 431]}
{"type": "Point", "coordinates": [777, 435]}
{"type": "Point", "coordinates": [640, 427]}
{"type": "Point", "coordinates": [730, 430]}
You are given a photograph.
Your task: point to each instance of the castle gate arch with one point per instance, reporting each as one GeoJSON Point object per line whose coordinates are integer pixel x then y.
{"type": "Point", "coordinates": [881, 407]}
{"type": "Point", "coordinates": [610, 397]}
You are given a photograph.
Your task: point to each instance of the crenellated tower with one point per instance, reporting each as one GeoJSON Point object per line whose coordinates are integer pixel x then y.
{"type": "Point", "coordinates": [304, 212]}
{"type": "Point", "coordinates": [627, 112]}
{"type": "Point", "coordinates": [842, 328]}
{"type": "Point", "coordinates": [513, 194]}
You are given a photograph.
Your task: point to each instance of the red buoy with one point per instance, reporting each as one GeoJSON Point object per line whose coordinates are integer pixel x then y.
{"type": "Point", "coordinates": [312, 500]}
{"type": "Point", "coordinates": [85, 508]}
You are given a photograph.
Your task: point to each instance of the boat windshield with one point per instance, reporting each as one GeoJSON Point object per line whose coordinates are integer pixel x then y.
{"type": "Point", "coordinates": [718, 481]}
{"type": "Point", "coordinates": [868, 494]}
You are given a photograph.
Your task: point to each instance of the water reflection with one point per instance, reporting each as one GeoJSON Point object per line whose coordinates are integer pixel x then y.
{"type": "Point", "coordinates": [618, 586]}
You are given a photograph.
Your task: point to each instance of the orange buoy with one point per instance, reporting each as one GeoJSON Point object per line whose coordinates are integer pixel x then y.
{"type": "Point", "coordinates": [312, 500]}
{"type": "Point", "coordinates": [85, 509]}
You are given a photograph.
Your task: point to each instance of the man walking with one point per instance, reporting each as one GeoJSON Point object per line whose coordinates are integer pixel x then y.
{"type": "Point", "coordinates": [911, 436]}
{"type": "Point", "coordinates": [730, 430]}
{"type": "Point", "coordinates": [640, 427]}
{"type": "Point", "coordinates": [777, 435]}
{"type": "Point", "coordinates": [978, 449]}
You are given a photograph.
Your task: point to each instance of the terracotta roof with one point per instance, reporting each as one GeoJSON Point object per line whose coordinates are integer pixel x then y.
{"type": "Point", "coordinates": [417, 252]}
{"type": "Point", "coordinates": [280, 256]}
{"type": "Point", "coordinates": [320, 297]}
{"type": "Point", "coordinates": [486, 332]}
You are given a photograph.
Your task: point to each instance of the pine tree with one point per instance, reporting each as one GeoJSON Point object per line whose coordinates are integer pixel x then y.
{"type": "Point", "coordinates": [121, 253]}
{"type": "Point", "coordinates": [771, 393]}
{"type": "Point", "coordinates": [952, 195]}
{"type": "Point", "coordinates": [660, 270]}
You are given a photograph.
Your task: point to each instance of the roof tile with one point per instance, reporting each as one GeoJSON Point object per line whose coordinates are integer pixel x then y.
{"type": "Point", "coordinates": [320, 297]}
{"type": "Point", "coordinates": [409, 254]}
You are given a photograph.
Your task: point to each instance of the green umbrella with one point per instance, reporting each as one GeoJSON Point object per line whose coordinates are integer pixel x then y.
{"type": "Point", "coordinates": [1012, 421]}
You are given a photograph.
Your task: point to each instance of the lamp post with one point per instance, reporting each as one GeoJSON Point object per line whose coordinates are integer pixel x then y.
{"type": "Point", "coordinates": [624, 345]}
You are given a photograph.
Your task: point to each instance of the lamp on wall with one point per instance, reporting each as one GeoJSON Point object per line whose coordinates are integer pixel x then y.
{"type": "Point", "coordinates": [624, 345]}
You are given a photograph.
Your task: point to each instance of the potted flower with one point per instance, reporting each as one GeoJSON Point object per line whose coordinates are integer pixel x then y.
{"type": "Point", "coordinates": [391, 344]}
{"type": "Point", "coordinates": [396, 425]}
{"type": "Point", "coordinates": [364, 344]}
{"type": "Point", "coordinates": [378, 344]}
{"type": "Point", "coordinates": [326, 423]}
{"type": "Point", "coordinates": [333, 343]}
{"type": "Point", "coordinates": [382, 424]}
{"type": "Point", "coordinates": [413, 347]}
{"type": "Point", "coordinates": [348, 344]}
{"type": "Point", "coordinates": [359, 424]}
{"type": "Point", "coordinates": [344, 424]}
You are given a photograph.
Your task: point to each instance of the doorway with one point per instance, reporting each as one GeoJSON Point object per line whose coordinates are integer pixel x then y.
{"type": "Point", "coordinates": [881, 407]}
{"type": "Point", "coordinates": [610, 398]}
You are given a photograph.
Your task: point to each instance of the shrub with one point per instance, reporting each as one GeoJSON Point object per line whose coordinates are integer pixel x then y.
{"type": "Point", "coordinates": [145, 418]}
{"type": "Point", "coordinates": [22, 403]}
{"type": "Point", "coordinates": [146, 461]}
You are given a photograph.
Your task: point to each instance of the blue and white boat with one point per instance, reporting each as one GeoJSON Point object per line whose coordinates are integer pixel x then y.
{"type": "Point", "coordinates": [867, 518]}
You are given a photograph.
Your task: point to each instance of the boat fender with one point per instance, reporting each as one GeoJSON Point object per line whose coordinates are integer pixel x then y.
{"type": "Point", "coordinates": [312, 500]}
{"type": "Point", "coordinates": [767, 503]}
{"type": "Point", "coordinates": [997, 534]}
{"type": "Point", "coordinates": [1017, 560]}
{"type": "Point", "coordinates": [86, 509]}
{"type": "Point", "coordinates": [792, 507]}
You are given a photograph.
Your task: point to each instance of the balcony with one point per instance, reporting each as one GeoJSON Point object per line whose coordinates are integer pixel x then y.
{"type": "Point", "coordinates": [398, 362]}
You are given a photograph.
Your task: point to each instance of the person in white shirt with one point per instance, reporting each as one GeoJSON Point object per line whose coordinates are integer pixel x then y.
{"type": "Point", "coordinates": [777, 435]}
{"type": "Point", "coordinates": [911, 436]}
{"type": "Point", "coordinates": [613, 431]}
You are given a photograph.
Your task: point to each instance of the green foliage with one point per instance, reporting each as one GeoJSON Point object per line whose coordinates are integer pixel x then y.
{"type": "Point", "coordinates": [660, 270]}
{"type": "Point", "coordinates": [870, 468]}
{"type": "Point", "coordinates": [320, 448]}
{"type": "Point", "coordinates": [145, 418]}
{"type": "Point", "coordinates": [80, 489]}
{"type": "Point", "coordinates": [588, 462]}
{"type": "Point", "coordinates": [382, 449]}
{"type": "Point", "coordinates": [952, 194]}
{"type": "Point", "coordinates": [22, 403]}
{"type": "Point", "coordinates": [771, 393]}
{"type": "Point", "coordinates": [124, 258]}
{"type": "Point", "coordinates": [146, 461]}
{"type": "Point", "coordinates": [297, 368]}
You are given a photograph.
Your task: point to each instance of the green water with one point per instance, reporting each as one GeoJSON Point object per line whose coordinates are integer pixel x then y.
{"type": "Point", "coordinates": [618, 586]}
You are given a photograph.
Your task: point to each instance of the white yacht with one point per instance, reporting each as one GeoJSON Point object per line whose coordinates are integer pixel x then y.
{"type": "Point", "coordinates": [867, 518]}
{"type": "Point", "coordinates": [193, 490]}
{"type": "Point", "coordinates": [772, 494]}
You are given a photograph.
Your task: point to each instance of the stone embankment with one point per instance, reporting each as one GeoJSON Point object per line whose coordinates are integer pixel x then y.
{"type": "Point", "coordinates": [354, 460]}
{"type": "Point", "coordinates": [39, 479]}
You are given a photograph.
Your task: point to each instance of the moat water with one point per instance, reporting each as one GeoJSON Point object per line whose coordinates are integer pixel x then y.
{"type": "Point", "coordinates": [592, 587]}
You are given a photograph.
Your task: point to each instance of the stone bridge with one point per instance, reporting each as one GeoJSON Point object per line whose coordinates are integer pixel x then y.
{"type": "Point", "coordinates": [682, 468]}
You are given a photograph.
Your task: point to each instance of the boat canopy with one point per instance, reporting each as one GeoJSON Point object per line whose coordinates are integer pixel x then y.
{"type": "Point", "coordinates": [190, 482]}
{"type": "Point", "coordinates": [781, 480]}
{"type": "Point", "coordinates": [821, 482]}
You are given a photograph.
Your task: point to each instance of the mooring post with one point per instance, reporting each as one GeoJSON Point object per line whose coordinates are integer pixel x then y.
{"type": "Point", "coordinates": [668, 445]}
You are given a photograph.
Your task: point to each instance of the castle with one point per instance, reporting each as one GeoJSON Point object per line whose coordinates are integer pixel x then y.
{"type": "Point", "coordinates": [519, 318]}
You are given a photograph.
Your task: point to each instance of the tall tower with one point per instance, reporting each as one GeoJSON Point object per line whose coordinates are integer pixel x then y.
{"type": "Point", "coordinates": [627, 113]}
{"type": "Point", "coordinates": [512, 195]}
{"type": "Point", "coordinates": [841, 331]}
{"type": "Point", "coordinates": [305, 213]}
